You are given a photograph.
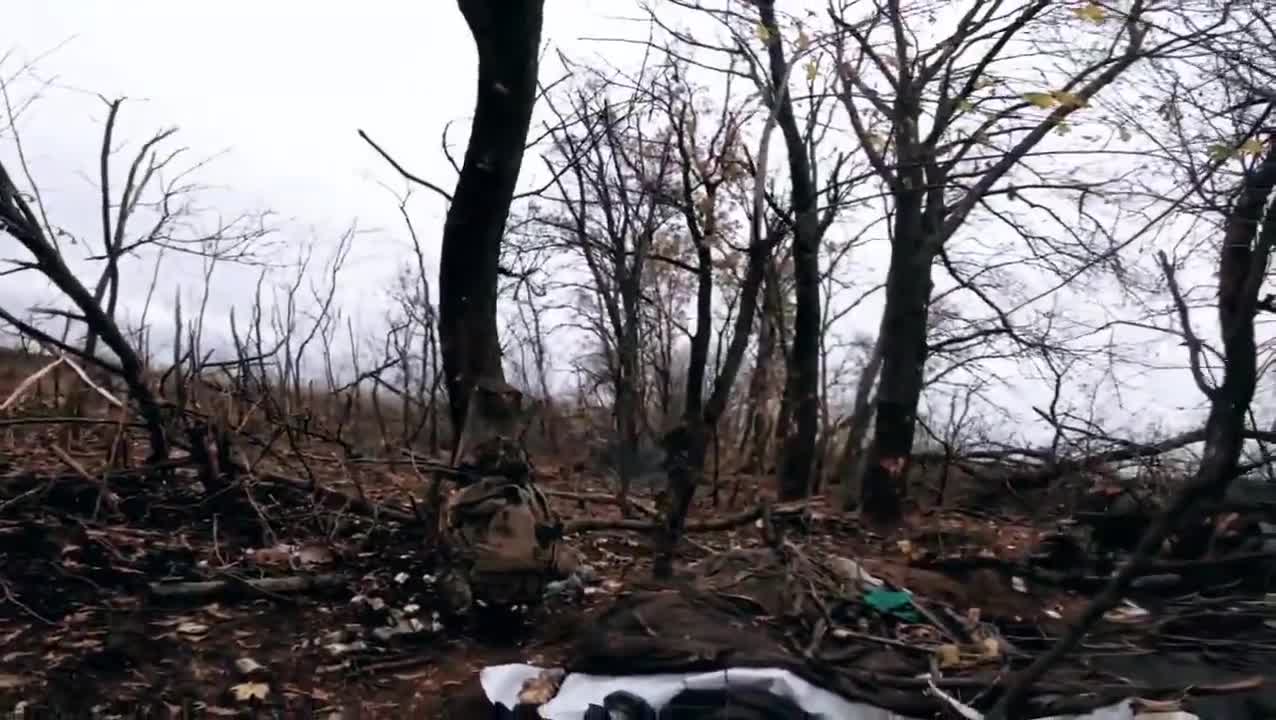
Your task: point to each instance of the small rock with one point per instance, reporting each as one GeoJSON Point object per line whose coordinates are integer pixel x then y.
{"type": "Point", "coordinates": [339, 649]}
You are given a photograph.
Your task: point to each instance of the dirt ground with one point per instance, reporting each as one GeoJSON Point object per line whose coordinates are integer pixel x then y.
{"type": "Point", "coordinates": [92, 549]}
{"type": "Point", "coordinates": [80, 628]}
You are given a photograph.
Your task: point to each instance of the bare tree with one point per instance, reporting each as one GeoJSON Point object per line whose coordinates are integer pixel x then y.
{"type": "Point", "coordinates": [508, 40]}
{"type": "Point", "coordinates": [922, 118]}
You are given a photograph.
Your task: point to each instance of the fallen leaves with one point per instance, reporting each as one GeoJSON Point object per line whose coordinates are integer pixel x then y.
{"type": "Point", "coordinates": [248, 691]}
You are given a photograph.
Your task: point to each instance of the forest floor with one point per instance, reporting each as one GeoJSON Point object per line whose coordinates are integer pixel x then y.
{"type": "Point", "coordinates": [87, 555]}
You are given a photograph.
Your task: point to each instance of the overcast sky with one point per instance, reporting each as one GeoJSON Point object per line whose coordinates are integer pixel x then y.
{"type": "Point", "coordinates": [282, 86]}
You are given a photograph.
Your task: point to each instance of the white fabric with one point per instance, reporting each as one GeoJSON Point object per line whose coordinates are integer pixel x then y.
{"type": "Point", "coordinates": [502, 684]}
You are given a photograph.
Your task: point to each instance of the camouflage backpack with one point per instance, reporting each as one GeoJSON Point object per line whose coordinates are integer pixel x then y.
{"type": "Point", "coordinates": [501, 543]}
{"type": "Point", "coordinates": [499, 533]}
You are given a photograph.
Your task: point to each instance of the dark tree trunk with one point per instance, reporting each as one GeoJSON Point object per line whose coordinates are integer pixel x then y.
{"type": "Point", "coordinates": [904, 346]}
{"type": "Point", "coordinates": [802, 379]}
{"type": "Point", "coordinates": [507, 36]}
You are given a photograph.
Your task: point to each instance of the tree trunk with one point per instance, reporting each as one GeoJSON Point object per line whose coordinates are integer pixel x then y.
{"type": "Point", "coordinates": [507, 36]}
{"type": "Point", "coordinates": [802, 378]}
{"type": "Point", "coordinates": [908, 288]}
{"type": "Point", "coordinates": [776, 305]}
{"type": "Point", "coordinates": [851, 463]}
{"type": "Point", "coordinates": [760, 386]}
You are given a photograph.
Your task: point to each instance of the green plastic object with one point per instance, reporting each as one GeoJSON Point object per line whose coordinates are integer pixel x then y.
{"type": "Point", "coordinates": [893, 602]}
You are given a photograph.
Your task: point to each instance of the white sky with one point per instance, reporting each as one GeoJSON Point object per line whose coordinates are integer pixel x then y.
{"type": "Point", "coordinates": [283, 86]}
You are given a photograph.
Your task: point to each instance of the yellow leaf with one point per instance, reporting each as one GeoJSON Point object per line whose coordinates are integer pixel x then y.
{"type": "Point", "coordinates": [1063, 128]}
{"type": "Point", "coordinates": [804, 40]}
{"type": "Point", "coordinates": [1252, 146]}
{"type": "Point", "coordinates": [1219, 152]}
{"type": "Point", "coordinates": [1041, 100]}
{"type": "Point", "coordinates": [764, 33]}
{"type": "Point", "coordinates": [812, 71]}
{"type": "Point", "coordinates": [949, 656]}
{"type": "Point", "coordinates": [877, 142]}
{"type": "Point", "coordinates": [965, 105]}
{"type": "Point", "coordinates": [1068, 99]}
{"type": "Point", "coordinates": [984, 82]}
{"type": "Point", "coordinates": [250, 691]}
{"type": "Point", "coordinates": [1092, 12]}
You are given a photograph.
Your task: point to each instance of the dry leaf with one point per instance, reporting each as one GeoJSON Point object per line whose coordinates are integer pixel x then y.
{"type": "Point", "coordinates": [192, 628]}
{"type": "Point", "coordinates": [1092, 12]}
{"type": "Point", "coordinates": [312, 555]}
{"type": "Point", "coordinates": [542, 688]}
{"type": "Point", "coordinates": [1041, 100]}
{"type": "Point", "coordinates": [1068, 99]}
{"type": "Point", "coordinates": [949, 656]}
{"type": "Point", "coordinates": [244, 692]}
{"type": "Point", "coordinates": [1252, 146]}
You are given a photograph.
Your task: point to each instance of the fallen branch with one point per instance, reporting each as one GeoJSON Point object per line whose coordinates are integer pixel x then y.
{"type": "Point", "coordinates": [88, 381]}
{"type": "Point", "coordinates": [276, 586]}
{"type": "Point", "coordinates": [602, 499]}
{"type": "Point", "coordinates": [345, 500]}
{"type": "Point", "coordinates": [722, 523]}
{"type": "Point", "coordinates": [103, 492]}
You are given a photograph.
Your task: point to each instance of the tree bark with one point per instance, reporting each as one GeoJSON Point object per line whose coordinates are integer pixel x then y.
{"type": "Point", "coordinates": [904, 346]}
{"type": "Point", "coordinates": [802, 379]}
{"type": "Point", "coordinates": [507, 36]}
{"type": "Point", "coordinates": [852, 461]}
{"type": "Point", "coordinates": [760, 389]}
